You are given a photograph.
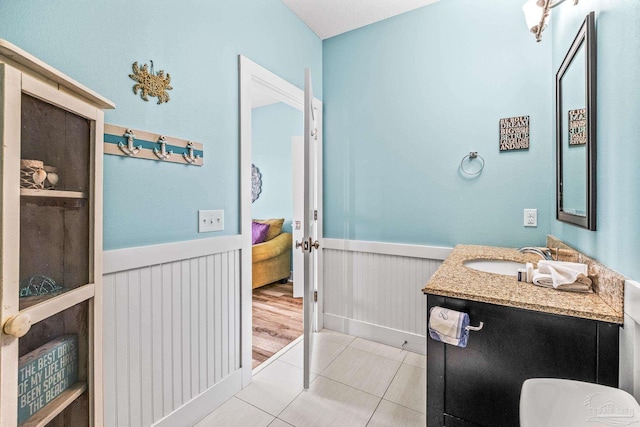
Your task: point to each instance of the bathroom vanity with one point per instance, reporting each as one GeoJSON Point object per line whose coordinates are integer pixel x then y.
{"type": "Point", "coordinates": [528, 332]}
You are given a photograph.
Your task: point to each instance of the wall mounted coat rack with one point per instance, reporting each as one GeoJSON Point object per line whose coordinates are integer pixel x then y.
{"type": "Point", "coordinates": [122, 141]}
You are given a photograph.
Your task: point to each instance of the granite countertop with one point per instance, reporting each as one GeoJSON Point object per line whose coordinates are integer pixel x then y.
{"type": "Point", "coordinates": [453, 279]}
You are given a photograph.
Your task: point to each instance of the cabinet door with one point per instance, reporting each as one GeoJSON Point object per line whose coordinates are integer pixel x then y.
{"type": "Point", "coordinates": [9, 245]}
{"type": "Point", "coordinates": [49, 235]}
{"type": "Point", "coordinates": [481, 383]}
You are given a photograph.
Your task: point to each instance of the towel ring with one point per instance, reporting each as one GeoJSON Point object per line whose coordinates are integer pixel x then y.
{"type": "Point", "coordinates": [472, 155]}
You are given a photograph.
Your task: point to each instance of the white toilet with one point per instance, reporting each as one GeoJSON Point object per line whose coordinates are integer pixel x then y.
{"type": "Point", "coordinates": [553, 402]}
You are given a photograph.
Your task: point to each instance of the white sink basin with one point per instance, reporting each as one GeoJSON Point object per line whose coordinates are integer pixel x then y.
{"type": "Point", "coordinates": [507, 268]}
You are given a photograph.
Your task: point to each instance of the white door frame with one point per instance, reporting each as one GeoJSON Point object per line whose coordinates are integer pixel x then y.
{"type": "Point", "coordinates": [254, 79]}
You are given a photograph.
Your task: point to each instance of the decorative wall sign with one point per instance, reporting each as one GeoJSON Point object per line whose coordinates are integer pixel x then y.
{"type": "Point", "coordinates": [256, 183]}
{"type": "Point", "coordinates": [578, 126]}
{"type": "Point", "coordinates": [45, 373]}
{"type": "Point", "coordinates": [150, 83]}
{"type": "Point", "coordinates": [514, 133]}
{"type": "Point", "coordinates": [138, 144]}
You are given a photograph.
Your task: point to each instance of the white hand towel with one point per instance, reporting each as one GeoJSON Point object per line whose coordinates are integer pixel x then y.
{"type": "Point", "coordinates": [558, 281]}
{"type": "Point", "coordinates": [565, 274]}
{"type": "Point", "coordinates": [570, 267]}
{"type": "Point", "coordinates": [542, 279]}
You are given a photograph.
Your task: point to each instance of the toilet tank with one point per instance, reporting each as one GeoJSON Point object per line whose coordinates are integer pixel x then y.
{"type": "Point", "coordinates": [630, 341]}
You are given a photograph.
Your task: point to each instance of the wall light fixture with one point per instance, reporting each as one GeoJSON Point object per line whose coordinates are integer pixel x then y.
{"type": "Point", "coordinates": [537, 12]}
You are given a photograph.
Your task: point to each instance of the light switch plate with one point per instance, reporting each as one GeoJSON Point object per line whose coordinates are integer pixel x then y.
{"type": "Point", "coordinates": [531, 217]}
{"type": "Point", "coordinates": [210, 221]}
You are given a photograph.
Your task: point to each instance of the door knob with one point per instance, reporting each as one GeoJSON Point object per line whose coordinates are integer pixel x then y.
{"type": "Point", "coordinates": [304, 245]}
{"type": "Point", "coordinates": [18, 325]}
{"type": "Point", "coordinates": [313, 244]}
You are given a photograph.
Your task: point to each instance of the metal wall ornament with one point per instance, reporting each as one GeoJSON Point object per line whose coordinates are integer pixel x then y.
{"type": "Point", "coordinates": [256, 183]}
{"type": "Point", "coordinates": [151, 84]}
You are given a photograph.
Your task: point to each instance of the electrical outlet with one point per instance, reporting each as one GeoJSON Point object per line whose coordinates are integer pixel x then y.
{"type": "Point", "coordinates": [210, 221]}
{"type": "Point", "coordinates": [531, 217]}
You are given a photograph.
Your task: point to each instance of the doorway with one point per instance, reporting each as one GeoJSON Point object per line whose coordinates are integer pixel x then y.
{"type": "Point", "coordinates": [276, 313]}
{"type": "Point", "coordinates": [260, 86]}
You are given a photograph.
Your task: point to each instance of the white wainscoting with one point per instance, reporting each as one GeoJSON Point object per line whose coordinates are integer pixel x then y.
{"type": "Point", "coordinates": [171, 331]}
{"type": "Point", "coordinates": [374, 290]}
{"type": "Point", "coordinates": [630, 340]}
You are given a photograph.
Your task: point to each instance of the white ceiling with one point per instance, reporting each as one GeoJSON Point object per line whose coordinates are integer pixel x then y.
{"type": "Point", "coordinates": [328, 18]}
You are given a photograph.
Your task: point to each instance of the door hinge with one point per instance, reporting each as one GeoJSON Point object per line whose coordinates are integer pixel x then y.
{"type": "Point", "coordinates": [315, 296]}
{"type": "Point", "coordinates": [315, 215]}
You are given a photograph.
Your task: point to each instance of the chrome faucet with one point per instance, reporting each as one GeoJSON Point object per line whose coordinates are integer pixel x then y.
{"type": "Point", "coordinates": [544, 253]}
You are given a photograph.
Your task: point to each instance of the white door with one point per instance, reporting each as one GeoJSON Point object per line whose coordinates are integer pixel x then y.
{"type": "Point", "coordinates": [297, 156]}
{"type": "Point", "coordinates": [309, 245]}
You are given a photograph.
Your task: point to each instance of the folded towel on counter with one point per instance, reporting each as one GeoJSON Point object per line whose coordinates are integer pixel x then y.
{"type": "Point", "coordinates": [570, 269]}
{"type": "Point", "coordinates": [449, 326]}
{"type": "Point", "coordinates": [566, 276]}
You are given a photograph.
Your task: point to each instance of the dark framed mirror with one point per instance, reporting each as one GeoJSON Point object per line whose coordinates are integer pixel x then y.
{"type": "Point", "coordinates": [576, 130]}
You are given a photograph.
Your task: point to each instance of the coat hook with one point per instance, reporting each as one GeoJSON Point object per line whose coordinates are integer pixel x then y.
{"type": "Point", "coordinates": [190, 158]}
{"type": "Point", "coordinates": [129, 149]}
{"type": "Point", "coordinates": [162, 154]}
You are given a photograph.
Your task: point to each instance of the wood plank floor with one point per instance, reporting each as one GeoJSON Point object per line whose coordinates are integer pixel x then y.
{"type": "Point", "coordinates": [277, 320]}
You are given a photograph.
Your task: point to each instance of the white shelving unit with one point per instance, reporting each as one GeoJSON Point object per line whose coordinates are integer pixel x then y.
{"type": "Point", "coordinates": [45, 115]}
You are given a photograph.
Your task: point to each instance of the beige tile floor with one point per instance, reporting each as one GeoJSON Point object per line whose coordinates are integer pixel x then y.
{"type": "Point", "coordinates": [355, 382]}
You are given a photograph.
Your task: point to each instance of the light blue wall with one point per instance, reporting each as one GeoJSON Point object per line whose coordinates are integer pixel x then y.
{"type": "Point", "coordinates": [273, 127]}
{"type": "Point", "coordinates": [405, 99]}
{"type": "Point", "coordinates": [616, 242]}
{"type": "Point", "coordinates": [197, 43]}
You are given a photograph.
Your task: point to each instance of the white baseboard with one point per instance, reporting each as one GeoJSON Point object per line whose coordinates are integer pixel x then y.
{"type": "Point", "coordinates": [381, 334]}
{"type": "Point", "coordinates": [202, 405]}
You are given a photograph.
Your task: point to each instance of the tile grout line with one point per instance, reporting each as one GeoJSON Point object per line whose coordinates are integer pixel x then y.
{"type": "Point", "coordinates": [394, 377]}
{"type": "Point", "coordinates": [297, 395]}
{"type": "Point", "coordinates": [374, 412]}
{"type": "Point", "coordinates": [391, 382]}
{"type": "Point", "coordinates": [251, 404]}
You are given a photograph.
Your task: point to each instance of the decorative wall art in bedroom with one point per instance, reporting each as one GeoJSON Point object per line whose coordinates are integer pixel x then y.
{"type": "Point", "coordinates": [256, 183]}
{"type": "Point", "coordinates": [514, 133]}
{"type": "Point", "coordinates": [122, 141]}
{"type": "Point", "coordinates": [151, 84]}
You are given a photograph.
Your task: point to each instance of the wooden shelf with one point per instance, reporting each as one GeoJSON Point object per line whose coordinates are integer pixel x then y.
{"type": "Point", "coordinates": [69, 199]}
{"type": "Point", "coordinates": [57, 194]}
{"type": "Point", "coordinates": [39, 308]}
{"type": "Point", "coordinates": [56, 406]}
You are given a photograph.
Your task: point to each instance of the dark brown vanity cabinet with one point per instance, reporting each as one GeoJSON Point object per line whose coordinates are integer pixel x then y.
{"type": "Point", "coordinates": [480, 385]}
